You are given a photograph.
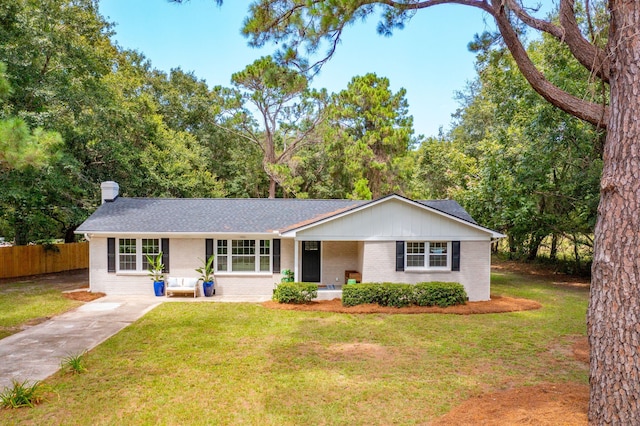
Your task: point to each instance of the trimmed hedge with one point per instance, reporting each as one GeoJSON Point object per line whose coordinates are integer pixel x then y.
{"type": "Point", "coordinates": [400, 295]}
{"type": "Point", "coordinates": [437, 293]}
{"type": "Point", "coordinates": [295, 292]}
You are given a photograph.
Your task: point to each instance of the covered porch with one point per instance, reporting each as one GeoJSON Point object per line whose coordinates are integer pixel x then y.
{"type": "Point", "coordinates": [328, 263]}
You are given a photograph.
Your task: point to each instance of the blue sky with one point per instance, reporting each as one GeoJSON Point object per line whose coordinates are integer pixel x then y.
{"type": "Point", "coordinates": [429, 58]}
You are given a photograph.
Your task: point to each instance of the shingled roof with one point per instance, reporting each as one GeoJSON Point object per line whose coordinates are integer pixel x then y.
{"type": "Point", "coordinates": [225, 215]}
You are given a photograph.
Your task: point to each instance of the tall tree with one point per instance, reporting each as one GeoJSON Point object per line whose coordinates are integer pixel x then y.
{"type": "Point", "coordinates": [371, 127]}
{"type": "Point", "coordinates": [288, 114]}
{"type": "Point", "coordinates": [615, 291]}
{"type": "Point", "coordinates": [119, 119]}
{"type": "Point", "coordinates": [538, 167]}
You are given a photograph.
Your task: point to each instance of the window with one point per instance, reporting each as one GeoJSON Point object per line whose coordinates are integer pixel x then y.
{"type": "Point", "coordinates": [245, 256]}
{"type": "Point", "coordinates": [127, 254]}
{"type": "Point", "coordinates": [415, 255]}
{"type": "Point", "coordinates": [132, 253]}
{"type": "Point", "coordinates": [222, 255]}
{"type": "Point", "coordinates": [151, 248]}
{"type": "Point", "coordinates": [265, 255]}
{"type": "Point", "coordinates": [438, 255]}
{"type": "Point", "coordinates": [427, 255]}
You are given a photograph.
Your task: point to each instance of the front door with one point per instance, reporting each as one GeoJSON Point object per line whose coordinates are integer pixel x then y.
{"type": "Point", "coordinates": [311, 261]}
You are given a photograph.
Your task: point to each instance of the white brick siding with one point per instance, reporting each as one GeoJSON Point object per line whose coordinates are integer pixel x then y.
{"type": "Point", "coordinates": [185, 254]}
{"type": "Point", "coordinates": [379, 265]}
{"type": "Point", "coordinates": [338, 257]}
{"type": "Point", "coordinates": [374, 259]}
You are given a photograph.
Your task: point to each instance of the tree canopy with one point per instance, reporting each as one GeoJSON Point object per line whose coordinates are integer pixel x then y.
{"type": "Point", "coordinates": [77, 110]}
{"type": "Point", "coordinates": [607, 49]}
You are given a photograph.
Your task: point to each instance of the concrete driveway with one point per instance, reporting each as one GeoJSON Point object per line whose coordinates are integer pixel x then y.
{"type": "Point", "coordinates": [36, 353]}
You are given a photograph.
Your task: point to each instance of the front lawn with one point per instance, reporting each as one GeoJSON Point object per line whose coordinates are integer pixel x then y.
{"type": "Point", "coordinates": [27, 303]}
{"type": "Point", "coordinates": [210, 363]}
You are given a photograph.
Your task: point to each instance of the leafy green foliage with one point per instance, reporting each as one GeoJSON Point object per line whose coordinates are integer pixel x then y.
{"type": "Point", "coordinates": [107, 115]}
{"type": "Point", "coordinates": [288, 112]}
{"type": "Point", "coordinates": [155, 267]}
{"type": "Point", "coordinates": [22, 394]}
{"type": "Point", "coordinates": [400, 295]}
{"type": "Point", "coordinates": [207, 269]}
{"type": "Point", "coordinates": [440, 294]}
{"type": "Point", "coordinates": [295, 292]}
{"type": "Point", "coordinates": [74, 363]}
{"type": "Point", "coordinates": [287, 276]}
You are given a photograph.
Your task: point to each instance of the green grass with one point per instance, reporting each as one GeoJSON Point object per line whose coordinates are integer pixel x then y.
{"type": "Point", "coordinates": [207, 363]}
{"type": "Point", "coordinates": [22, 394]}
{"type": "Point", "coordinates": [28, 302]}
{"type": "Point", "coordinates": [74, 363]}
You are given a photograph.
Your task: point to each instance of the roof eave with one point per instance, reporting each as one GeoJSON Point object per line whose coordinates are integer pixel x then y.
{"type": "Point", "coordinates": [293, 232]}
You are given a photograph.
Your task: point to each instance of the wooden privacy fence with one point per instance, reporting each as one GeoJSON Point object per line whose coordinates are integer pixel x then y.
{"type": "Point", "coordinates": [21, 261]}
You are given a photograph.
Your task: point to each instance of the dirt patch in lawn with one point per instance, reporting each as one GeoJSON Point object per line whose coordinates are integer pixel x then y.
{"type": "Point", "coordinates": [83, 295]}
{"type": "Point", "coordinates": [497, 304]}
{"type": "Point", "coordinates": [545, 404]}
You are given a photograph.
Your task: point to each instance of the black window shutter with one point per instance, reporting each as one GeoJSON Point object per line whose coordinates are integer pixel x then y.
{"type": "Point", "coordinates": [276, 256]}
{"type": "Point", "coordinates": [208, 250]}
{"type": "Point", "coordinates": [399, 255]}
{"type": "Point", "coordinates": [455, 255]}
{"type": "Point", "coordinates": [111, 254]}
{"type": "Point", "coordinates": [165, 254]}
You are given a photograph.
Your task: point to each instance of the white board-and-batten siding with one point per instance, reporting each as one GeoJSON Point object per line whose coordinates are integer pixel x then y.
{"type": "Point", "coordinates": [394, 220]}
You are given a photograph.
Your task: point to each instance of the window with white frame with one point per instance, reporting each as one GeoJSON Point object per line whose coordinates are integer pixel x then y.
{"type": "Point", "coordinates": [222, 255]}
{"type": "Point", "coordinates": [243, 255]}
{"type": "Point", "coordinates": [415, 254]}
{"type": "Point", "coordinates": [127, 254]}
{"type": "Point", "coordinates": [427, 255]}
{"type": "Point", "coordinates": [265, 255]}
{"type": "Point", "coordinates": [133, 252]}
{"type": "Point", "coordinates": [151, 248]}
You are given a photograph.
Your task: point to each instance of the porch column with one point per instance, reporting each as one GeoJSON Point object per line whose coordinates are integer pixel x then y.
{"type": "Point", "coordinates": [295, 259]}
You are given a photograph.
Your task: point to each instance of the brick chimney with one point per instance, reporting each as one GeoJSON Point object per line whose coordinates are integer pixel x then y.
{"type": "Point", "coordinates": [110, 191]}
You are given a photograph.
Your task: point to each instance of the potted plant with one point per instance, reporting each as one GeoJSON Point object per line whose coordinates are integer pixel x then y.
{"type": "Point", "coordinates": [206, 275]}
{"type": "Point", "coordinates": [155, 272]}
{"type": "Point", "coordinates": [287, 276]}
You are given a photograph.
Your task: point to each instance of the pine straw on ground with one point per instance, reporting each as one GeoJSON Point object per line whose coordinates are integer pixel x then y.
{"type": "Point", "coordinates": [83, 295]}
{"type": "Point", "coordinates": [545, 405]}
{"type": "Point", "coordinates": [497, 304]}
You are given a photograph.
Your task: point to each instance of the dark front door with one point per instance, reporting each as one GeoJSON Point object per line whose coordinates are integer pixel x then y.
{"type": "Point", "coordinates": [311, 261]}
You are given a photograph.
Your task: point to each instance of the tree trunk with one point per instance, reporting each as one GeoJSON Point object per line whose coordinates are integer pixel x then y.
{"type": "Point", "coordinates": [614, 310]}
{"type": "Point", "coordinates": [69, 235]}
{"type": "Point", "coordinates": [272, 187]}
{"type": "Point", "coordinates": [512, 247]}
{"type": "Point", "coordinates": [534, 246]}
{"type": "Point", "coordinates": [553, 254]}
{"type": "Point", "coordinates": [576, 253]}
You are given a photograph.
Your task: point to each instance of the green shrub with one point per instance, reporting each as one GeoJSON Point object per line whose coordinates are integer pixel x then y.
{"type": "Point", "coordinates": [385, 294]}
{"type": "Point", "coordinates": [399, 295]}
{"type": "Point", "coordinates": [359, 294]}
{"type": "Point", "coordinates": [74, 363]}
{"type": "Point", "coordinates": [440, 294]}
{"type": "Point", "coordinates": [396, 295]}
{"type": "Point", "coordinates": [22, 394]}
{"type": "Point", "coordinates": [295, 292]}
